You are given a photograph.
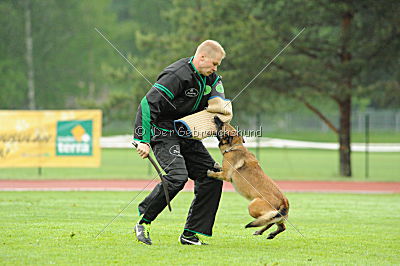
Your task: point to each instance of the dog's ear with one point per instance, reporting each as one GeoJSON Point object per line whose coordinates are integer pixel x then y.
{"type": "Point", "coordinates": [218, 122]}
{"type": "Point", "coordinates": [240, 135]}
{"type": "Point", "coordinates": [218, 135]}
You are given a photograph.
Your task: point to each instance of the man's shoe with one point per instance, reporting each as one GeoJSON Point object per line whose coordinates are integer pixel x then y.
{"type": "Point", "coordinates": [143, 233]}
{"type": "Point", "coordinates": [191, 240]}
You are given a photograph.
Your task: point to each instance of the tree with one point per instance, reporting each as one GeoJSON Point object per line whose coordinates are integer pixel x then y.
{"type": "Point", "coordinates": [66, 51]}
{"type": "Point", "coordinates": [29, 57]}
{"type": "Point", "coordinates": [13, 89]}
{"type": "Point", "coordinates": [345, 44]}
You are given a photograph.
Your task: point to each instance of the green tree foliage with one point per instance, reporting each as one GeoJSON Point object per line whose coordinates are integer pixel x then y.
{"type": "Point", "coordinates": [13, 88]}
{"type": "Point", "coordinates": [347, 54]}
{"type": "Point", "coordinates": [136, 21]}
{"type": "Point", "coordinates": [66, 53]}
{"type": "Point", "coordinates": [347, 48]}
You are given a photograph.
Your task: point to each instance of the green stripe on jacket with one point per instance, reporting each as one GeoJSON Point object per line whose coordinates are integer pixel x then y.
{"type": "Point", "coordinates": [145, 120]}
{"type": "Point", "coordinates": [165, 90]}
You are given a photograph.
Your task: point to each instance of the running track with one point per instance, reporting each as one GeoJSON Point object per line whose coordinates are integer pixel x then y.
{"type": "Point", "coordinates": [135, 185]}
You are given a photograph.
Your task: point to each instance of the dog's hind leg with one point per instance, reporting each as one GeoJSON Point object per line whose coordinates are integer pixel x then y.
{"type": "Point", "coordinates": [281, 228]}
{"type": "Point", "coordinates": [261, 231]}
{"type": "Point", "coordinates": [260, 210]}
{"type": "Point", "coordinates": [258, 207]}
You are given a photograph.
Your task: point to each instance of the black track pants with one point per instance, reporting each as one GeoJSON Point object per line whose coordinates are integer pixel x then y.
{"type": "Point", "coordinates": [182, 159]}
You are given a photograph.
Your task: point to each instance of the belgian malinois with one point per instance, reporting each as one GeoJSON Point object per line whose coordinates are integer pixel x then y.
{"type": "Point", "coordinates": [240, 167]}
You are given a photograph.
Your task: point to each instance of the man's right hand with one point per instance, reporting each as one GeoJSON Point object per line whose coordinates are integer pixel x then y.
{"type": "Point", "coordinates": [143, 150]}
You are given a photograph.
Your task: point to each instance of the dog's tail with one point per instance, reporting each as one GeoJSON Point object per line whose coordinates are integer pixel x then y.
{"type": "Point", "coordinates": [270, 217]}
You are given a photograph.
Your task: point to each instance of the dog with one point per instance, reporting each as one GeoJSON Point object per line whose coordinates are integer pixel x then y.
{"type": "Point", "coordinates": [240, 167]}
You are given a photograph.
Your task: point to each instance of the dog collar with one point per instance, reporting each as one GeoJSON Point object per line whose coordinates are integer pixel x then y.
{"type": "Point", "coordinates": [230, 149]}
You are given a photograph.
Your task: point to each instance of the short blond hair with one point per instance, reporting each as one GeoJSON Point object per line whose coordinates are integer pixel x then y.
{"type": "Point", "coordinates": [211, 48]}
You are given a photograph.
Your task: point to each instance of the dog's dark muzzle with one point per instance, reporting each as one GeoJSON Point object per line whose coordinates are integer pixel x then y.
{"type": "Point", "coordinates": [219, 125]}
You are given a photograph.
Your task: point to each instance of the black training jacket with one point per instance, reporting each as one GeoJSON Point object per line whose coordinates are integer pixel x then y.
{"type": "Point", "coordinates": [180, 90]}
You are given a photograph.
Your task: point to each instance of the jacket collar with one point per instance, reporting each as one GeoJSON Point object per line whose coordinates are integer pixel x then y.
{"type": "Point", "coordinates": [190, 62]}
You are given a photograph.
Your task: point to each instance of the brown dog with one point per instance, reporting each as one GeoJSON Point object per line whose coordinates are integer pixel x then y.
{"type": "Point", "coordinates": [268, 204]}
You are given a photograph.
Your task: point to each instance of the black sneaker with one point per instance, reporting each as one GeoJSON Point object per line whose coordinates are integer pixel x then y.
{"type": "Point", "coordinates": [191, 240]}
{"type": "Point", "coordinates": [143, 233]}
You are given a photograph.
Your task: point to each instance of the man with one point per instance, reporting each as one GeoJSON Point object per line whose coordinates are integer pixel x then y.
{"type": "Point", "coordinates": [181, 89]}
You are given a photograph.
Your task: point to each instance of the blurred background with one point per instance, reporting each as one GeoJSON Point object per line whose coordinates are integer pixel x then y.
{"type": "Point", "coordinates": [338, 82]}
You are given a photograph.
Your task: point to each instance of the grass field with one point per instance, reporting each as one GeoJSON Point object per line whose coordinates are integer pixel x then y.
{"type": "Point", "coordinates": [60, 227]}
{"type": "Point", "coordinates": [280, 164]}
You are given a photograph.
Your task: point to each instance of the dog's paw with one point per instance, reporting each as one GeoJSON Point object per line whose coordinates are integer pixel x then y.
{"type": "Point", "coordinates": [257, 233]}
{"type": "Point", "coordinates": [210, 173]}
{"type": "Point", "coordinates": [270, 236]}
{"type": "Point", "coordinates": [217, 166]}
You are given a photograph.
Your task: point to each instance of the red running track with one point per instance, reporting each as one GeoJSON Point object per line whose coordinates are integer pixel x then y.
{"type": "Point", "coordinates": [132, 185]}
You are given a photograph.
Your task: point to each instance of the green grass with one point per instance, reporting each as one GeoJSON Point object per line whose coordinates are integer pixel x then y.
{"type": "Point", "coordinates": [280, 164]}
{"type": "Point", "coordinates": [60, 227]}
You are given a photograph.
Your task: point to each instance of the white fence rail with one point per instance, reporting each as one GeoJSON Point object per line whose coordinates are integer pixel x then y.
{"type": "Point", "coordinates": [125, 141]}
{"type": "Point", "coordinates": [379, 120]}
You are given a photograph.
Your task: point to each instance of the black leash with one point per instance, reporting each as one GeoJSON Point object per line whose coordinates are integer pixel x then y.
{"type": "Point", "coordinates": [163, 181]}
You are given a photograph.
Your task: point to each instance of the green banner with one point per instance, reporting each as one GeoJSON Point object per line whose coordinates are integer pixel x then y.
{"type": "Point", "coordinates": [74, 138]}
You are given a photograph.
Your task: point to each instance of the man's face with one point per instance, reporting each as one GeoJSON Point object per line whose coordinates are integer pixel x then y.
{"type": "Point", "coordinates": [209, 64]}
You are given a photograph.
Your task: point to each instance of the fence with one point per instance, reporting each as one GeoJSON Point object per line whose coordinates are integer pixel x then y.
{"type": "Point", "coordinates": [379, 120]}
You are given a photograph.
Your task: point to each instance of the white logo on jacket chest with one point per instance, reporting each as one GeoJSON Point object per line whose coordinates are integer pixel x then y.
{"type": "Point", "coordinates": [192, 92]}
{"type": "Point", "coordinates": [175, 150]}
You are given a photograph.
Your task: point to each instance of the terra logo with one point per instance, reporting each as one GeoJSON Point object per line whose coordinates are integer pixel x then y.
{"type": "Point", "coordinates": [74, 138]}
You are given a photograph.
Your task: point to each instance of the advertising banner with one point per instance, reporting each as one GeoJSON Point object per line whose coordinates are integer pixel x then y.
{"type": "Point", "coordinates": [62, 138]}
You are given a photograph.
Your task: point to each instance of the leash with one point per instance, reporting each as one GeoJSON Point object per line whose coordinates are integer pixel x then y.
{"type": "Point", "coordinates": [163, 181]}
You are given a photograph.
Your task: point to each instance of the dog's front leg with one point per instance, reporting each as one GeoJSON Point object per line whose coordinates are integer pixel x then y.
{"type": "Point", "coordinates": [218, 175]}
{"type": "Point", "coordinates": [217, 166]}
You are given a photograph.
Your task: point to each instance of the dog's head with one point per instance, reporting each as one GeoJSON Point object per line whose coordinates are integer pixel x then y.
{"type": "Point", "coordinates": [227, 134]}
